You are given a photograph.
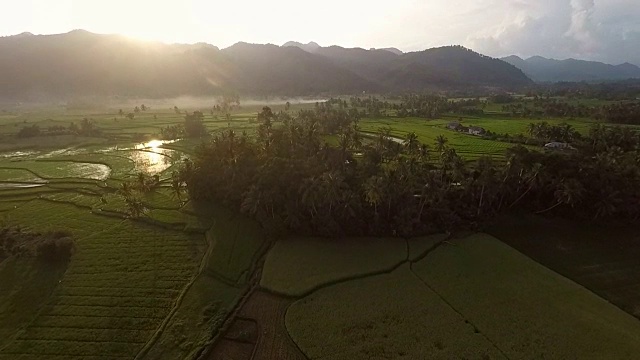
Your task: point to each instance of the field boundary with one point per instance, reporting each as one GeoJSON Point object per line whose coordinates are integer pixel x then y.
{"type": "Point", "coordinates": [254, 285]}
{"type": "Point", "coordinates": [160, 330]}
{"type": "Point", "coordinates": [445, 301]}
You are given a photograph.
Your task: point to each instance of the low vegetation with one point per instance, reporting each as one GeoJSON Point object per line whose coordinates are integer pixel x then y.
{"type": "Point", "coordinates": [297, 266]}
{"type": "Point", "coordinates": [474, 291]}
{"type": "Point", "coordinates": [390, 316]}
{"type": "Point", "coordinates": [525, 309]}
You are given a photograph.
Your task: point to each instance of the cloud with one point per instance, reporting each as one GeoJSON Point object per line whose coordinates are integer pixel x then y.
{"type": "Point", "coordinates": [605, 30]}
{"type": "Point", "coordinates": [582, 27]}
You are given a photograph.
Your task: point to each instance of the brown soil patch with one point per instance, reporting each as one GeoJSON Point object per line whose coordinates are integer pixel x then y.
{"type": "Point", "coordinates": [274, 342]}
{"type": "Point", "coordinates": [243, 330]}
{"type": "Point", "coordinates": [604, 259]}
{"type": "Point", "coordinates": [231, 350]}
{"type": "Point", "coordinates": [258, 332]}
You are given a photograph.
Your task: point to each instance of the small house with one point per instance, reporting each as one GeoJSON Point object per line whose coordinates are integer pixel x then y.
{"type": "Point", "coordinates": [556, 145]}
{"type": "Point", "coordinates": [456, 126]}
{"type": "Point", "coordinates": [476, 130]}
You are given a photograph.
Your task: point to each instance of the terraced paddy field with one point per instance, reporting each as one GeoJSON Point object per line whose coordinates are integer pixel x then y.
{"type": "Point", "coordinates": [158, 287]}
{"type": "Point", "coordinates": [468, 146]}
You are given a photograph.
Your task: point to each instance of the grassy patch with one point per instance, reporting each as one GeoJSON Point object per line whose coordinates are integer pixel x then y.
{"type": "Point", "coordinates": [390, 316]}
{"type": "Point", "coordinates": [420, 246]}
{"type": "Point", "coordinates": [201, 313]}
{"type": "Point", "coordinates": [527, 310]}
{"type": "Point", "coordinates": [20, 304]}
{"type": "Point", "coordinates": [605, 258]}
{"type": "Point", "coordinates": [18, 175]}
{"type": "Point", "coordinates": [236, 244]}
{"type": "Point", "coordinates": [297, 266]}
{"type": "Point", "coordinates": [124, 276]}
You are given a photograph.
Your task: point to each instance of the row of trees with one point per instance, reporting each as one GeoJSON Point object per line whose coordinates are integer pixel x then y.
{"type": "Point", "coordinates": [546, 132]}
{"type": "Point", "coordinates": [412, 105]}
{"type": "Point", "coordinates": [193, 126]}
{"type": "Point", "coordinates": [288, 177]}
{"type": "Point", "coordinates": [626, 112]}
{"type": "Point", "coordinates": [87, 127]}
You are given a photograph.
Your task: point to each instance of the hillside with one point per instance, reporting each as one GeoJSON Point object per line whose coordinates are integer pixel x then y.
{"type": "Point", "coordinates": [450, 66]}
{"type": "Point", "coordinates": [543, 69]}
{"type": "Point", "coordinates": [270, 69]}
{"type": "Point", "coordinates": [80, 63]}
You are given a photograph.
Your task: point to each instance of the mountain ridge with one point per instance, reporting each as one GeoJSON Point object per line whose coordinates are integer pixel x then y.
{"type": "Point", "coordinates": [80, 63]}
{"type": "Point", "coordinates": [543, 69]}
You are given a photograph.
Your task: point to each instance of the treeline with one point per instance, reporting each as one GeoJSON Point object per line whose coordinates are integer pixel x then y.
{"type": "Point", "coordinates": [289, 178]}
{"type": "Point", "coordinates": [609, 91]}
{"type": "Point", "coordinates": [627, 112]}
{"type": "Point", "coordinates": [86, 128]}
{"type": "Point", "coordinates": [531, 107]}
{"type": "Point", "coordinates": [412, 105]}
{"type": "Point", "coordinates": [622, 113]}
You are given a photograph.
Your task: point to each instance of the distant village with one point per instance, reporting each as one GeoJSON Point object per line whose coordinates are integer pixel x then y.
{"type": "Point", "coordinates": [471, 130]}
{"type": "Point", "coordinates": [479, 131]}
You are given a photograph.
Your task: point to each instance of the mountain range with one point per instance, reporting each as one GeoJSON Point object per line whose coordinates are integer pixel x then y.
{"type": "Point", "coordinates": [80, 63]}
{"type": "Point", "coordinates": [550, 70]}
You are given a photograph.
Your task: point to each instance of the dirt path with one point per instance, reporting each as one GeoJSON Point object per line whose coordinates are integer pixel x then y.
{"type": "Point", "coordinates": [258, 332]}
{"type": "Point", "coordinates": [238, 342]}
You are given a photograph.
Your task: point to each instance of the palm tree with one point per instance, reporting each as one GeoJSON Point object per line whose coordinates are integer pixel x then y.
{"type": "Point", "coordinates": [568, 133]}
{"type": "Point", "coordinates": [252, 201]}
{"type": "Point", "coordinates": [135, 207]}
{"type": "Point", "coordinates": [142, 182]}
{"type": "Point", "coordinates": [532, 130]}
{"type": "Point", "coordinates": [374, 191]}
{"type": "Point", "coordinates": [441, 143]}
{"type": "Point", "coordinates": [125, 189]}
{"type": "Point", "coordinates": [332, 184]}
{"type": "Point", "coordinates": [486, 176]}
{"type": "Point", "coordinates": [411, 142]}
{"type": "Point", "coordinates": [569, 193]}
{"type": "Point", "coordinates": [424, 152]}
{"type": "Point", "coordinates": [356, 138]}
{"type": "Point", "coordinates": [177, 185]}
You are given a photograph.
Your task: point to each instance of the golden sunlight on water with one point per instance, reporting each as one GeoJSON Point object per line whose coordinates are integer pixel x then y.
{"type": "Point", "coordinates": [151, 158]}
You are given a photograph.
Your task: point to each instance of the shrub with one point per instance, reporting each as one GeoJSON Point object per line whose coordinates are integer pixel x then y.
{"type": "Point", "coordinates": [55, 250]}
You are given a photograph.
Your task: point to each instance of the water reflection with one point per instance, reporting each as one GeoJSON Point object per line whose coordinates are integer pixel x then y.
{"type": "Point", "coordinates": [4, 185]}
{"type": "Point", "coordinates": [87, 171]}
{"type": "Point", "coordinates": [151, 157]}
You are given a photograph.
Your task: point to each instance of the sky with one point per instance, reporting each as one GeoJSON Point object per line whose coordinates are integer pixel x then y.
{"type": "Point", "coordinates": [602, 30]}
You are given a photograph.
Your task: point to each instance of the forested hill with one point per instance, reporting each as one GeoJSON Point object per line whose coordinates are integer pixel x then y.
{"type": "Point", "coordinates": [40, 67]}
{"type": "Point", "coordinates": [448, 66]}
{"type": "Point", "coordinates": [550, 70]}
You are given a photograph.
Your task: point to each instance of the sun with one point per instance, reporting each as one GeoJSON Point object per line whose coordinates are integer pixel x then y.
{"type": "Point", "coordinates": [149, 20]}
